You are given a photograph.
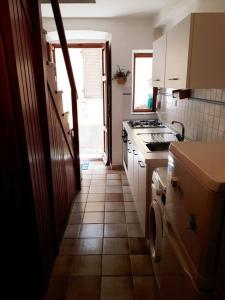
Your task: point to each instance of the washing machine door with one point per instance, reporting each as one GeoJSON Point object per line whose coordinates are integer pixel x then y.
{"type": "Point", "coordinates": [156, 230]}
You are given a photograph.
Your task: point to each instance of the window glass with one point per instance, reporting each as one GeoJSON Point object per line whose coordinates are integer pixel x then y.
{"type": "Point", "coordinates": [142, 83]}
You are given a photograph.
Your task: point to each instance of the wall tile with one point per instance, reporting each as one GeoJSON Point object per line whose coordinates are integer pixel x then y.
{"type": "Point", "coordinates": [203, 120]}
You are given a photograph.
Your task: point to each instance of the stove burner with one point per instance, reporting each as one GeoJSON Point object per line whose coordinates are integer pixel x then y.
{"type": "Point", "coordinates": [146, 124]}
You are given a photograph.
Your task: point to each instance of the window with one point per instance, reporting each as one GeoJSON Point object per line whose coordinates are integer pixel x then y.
{"type": "Point", "coordinates": [142, 91]}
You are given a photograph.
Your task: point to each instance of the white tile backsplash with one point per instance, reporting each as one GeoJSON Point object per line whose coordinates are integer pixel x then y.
{"type": "Point", "coordinates": [203, 114]}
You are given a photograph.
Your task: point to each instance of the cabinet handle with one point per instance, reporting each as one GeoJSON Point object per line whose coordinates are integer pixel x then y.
{"type": "Point", "coordinates": [175, 78]}
{"type": "Point", "coordinates": [135, 153]}
{"type": "Point", "coordinates": [129, 151]}
{"type": "Point", "coordinates": [141, 164]}
{"type": "Point", "coordinates": [156, 79]}
{"type": "Point", "coordinates": [129, 142]}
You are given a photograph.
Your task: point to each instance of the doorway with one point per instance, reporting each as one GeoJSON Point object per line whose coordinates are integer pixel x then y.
{"type": "Point", "coordinates": [89, 68]}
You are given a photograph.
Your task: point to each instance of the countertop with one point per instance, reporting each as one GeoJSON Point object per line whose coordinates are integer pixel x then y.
{"type": "Point", "coordinates": [205, 160]}
{"type": "Point", "coordinates": [148, 156]}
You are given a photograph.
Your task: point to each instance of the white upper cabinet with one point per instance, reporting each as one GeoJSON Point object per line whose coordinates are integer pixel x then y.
{"type": "Point", "coordinates": [177, 54]}
{"type": "Point", "coordinates": [159, 62]}
{"type": "Point", "coordinates": [195, 50]}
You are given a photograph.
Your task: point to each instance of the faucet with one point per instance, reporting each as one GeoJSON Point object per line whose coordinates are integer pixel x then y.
{"type": "Point", "coordinates": [179, 136]}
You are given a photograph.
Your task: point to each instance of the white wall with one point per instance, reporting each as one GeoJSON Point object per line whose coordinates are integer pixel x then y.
{"type": "Point", "coordinates": [177, 10]}
{"type": "Point", "coordinates": [127, 34]}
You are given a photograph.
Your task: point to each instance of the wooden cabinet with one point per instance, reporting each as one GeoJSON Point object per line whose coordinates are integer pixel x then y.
{"type": "Point", "coordinates": [159, 62]}
{"type": "Point", "coordinates": [194, 53]}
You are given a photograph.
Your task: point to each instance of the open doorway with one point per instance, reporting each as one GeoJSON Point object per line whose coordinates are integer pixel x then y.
{"type": "Point", "coordinates": [87, 66]}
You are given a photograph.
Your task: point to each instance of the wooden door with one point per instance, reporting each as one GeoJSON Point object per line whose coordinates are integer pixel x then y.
{"type": "Point", "coordinates": [106, 85]}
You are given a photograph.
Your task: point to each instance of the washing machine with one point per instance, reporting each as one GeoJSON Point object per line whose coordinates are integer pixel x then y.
{"type": "Point", "coordinates": [159, 178]}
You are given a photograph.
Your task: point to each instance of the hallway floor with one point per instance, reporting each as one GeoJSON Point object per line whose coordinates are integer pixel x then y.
{"type": "Point", "coordinates": [103, 254]}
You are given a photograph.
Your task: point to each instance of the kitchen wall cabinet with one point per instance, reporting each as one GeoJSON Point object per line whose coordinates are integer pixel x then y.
{"type": "Point", "coordinates": [159, 62]}
{"type": "Point", "coordinates": [195, 53]}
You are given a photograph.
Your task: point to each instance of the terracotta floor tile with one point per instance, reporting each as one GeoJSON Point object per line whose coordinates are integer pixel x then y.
{"type": "Point", "coordinates": [125, 182]}
{"type": "Point", "coordinates": [115, 230]}
{"type": "Point", "coordinates": [98, 182]}
{"type": "Point", "coordinates": [130, 206]}
{"type": "Point", "coordinates": [84, 190]}
{"type": "Point", "coordinates": [67, 247]}
{"type": "Point", "coordinates": [91, 231]}
{"type": "Point", "coordinates": [57, 288]}
{"type": "Point", "coordinates": [117, 288]}
{"type": "Point", "coordinates": [114, 206]}
{"type": "Point", "coordinates": [114, 182]}
{"type": "Point", "coordinates": [96, 197]}
{"type": "Point", "coordinates": [131, 217]}
{"type": "Point", "coordinates": [86, 265]}
{"type": "Point", "coordinates": [75, 218]}
{"type": "Point", "coordinates": [95, 207]}
{"type": "Point", "coordinates": [99, 171]}
{"type": "Point", "coordinates": [116, 265]}
{"type": "Point", "coordinates": [126, 189]}
{"type": "Point", "coordinates": [145, 288]}
{"type": "Point", "coordinates": [134, 230]}
{"type": "Point", "coordinates": [115, 217]}
{"type": "Point", "coordinates": [93, 217]}
{"type": "Point", "coordinates": [114, 189]}
{"type": "Point", "coordinates": [138, 246]}
{"type": "Point", "coordinates": [98, 176]}
{"type": "Point", "coordinates": [72, 231]}
{"type": "Point", "coordinates": [141, 265]}
{"type": "Point", "coordinates": [88, 246]}
{"type": "Point", "coordinates": [115, 246]}
{"type": "Point", "coordinates": [84, 172]}
{"type": "Point", "coordinates": [128, 197]}
{"type": "Point", "coordinates": [78, 207]}
{"type": "Point", "coordinates": [85, 182]}
{"type": "Point", "coordinates": [77, 288]}
{"type": "Point", "coordinates": [62, 266]}
{"type": "Point", "coordinates": [97, 190]}
{"type": "Point", "coordinates": [86, 176]}
{"type": "Point", "coordinates": [114, 172]}
{"type": "Point", "coordinates": [113, 176]}
{"type": "Point", "coordinates": [114, 197]}
{"type": "Point", "coordinates": [81, 197]}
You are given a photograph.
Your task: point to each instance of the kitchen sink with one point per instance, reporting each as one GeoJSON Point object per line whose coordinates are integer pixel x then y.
{"type": "Point", "coordinates": [158, 146]}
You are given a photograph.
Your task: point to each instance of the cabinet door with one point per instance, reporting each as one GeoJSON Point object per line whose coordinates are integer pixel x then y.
{"type": "Point", "coordinates": [141, 203]}
{"type": "Point", "coordinates": [130, 163]}
{"type": "Point", "coordinates": [135, 178]}
{"type": "Point", "coordinates": [159, 62]}
{"type": "Point", "coordinates": [178, 39]}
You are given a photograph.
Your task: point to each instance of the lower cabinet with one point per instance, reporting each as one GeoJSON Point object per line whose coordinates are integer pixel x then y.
{"type": "Point", "coordinates": [136, 174]}
{"type": "Point", "coordinates": [130, 163]}
{"type": "Point", "coordinates": [141, 198]}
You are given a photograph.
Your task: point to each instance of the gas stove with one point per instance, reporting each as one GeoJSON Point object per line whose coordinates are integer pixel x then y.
{"type": "Point", "coordinates": [146, 124]}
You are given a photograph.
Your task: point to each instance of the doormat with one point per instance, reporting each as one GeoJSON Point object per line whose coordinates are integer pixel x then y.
{"type": "Point", "coordinates": [85, 165]}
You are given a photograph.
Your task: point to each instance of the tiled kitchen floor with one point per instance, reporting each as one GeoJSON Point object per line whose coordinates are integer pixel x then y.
{"type": "Point", "coordinates": [103, 254]}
